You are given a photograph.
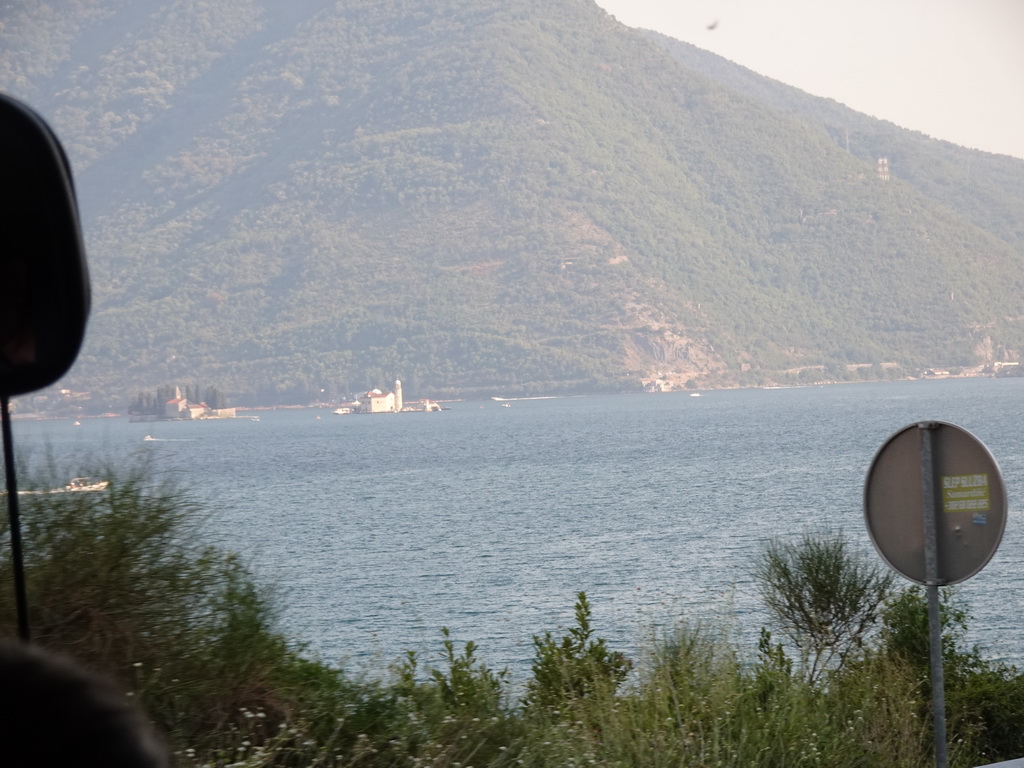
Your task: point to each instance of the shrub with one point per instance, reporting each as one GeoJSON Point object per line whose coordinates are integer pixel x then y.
{"type": "Point", "coordinates": [698, 702]}
{"type": "Point", "coordinates": [905, 631]}
{"type": "Point", "coordinates": [984, 699]}
{"type": "Point", "coordinates": [825, 598]}
{"type": "Point", "coordinates": [467, 683]}
{"type": "Point", "coordinates": [575, 667]}
{"type": "Point", "coordinates": [456, 712]}
{"type": "Point", "coordinates": [121, 581]}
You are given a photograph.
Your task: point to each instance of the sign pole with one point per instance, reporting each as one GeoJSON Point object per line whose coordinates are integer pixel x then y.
{"type": "Point", "coordinates": [931, 567]}
{"type": "Point", "coordinates": [17, 559]}
{"type": "Point", "coordinates": [963, 522]}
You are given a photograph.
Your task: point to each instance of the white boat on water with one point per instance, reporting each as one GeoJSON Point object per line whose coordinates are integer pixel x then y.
{"type": "Point", "coordinates": [86, 484]}
{"type": "Point", "coordinates": [77, 484]}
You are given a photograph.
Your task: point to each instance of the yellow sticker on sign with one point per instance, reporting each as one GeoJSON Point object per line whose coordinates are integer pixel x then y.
{"type": "Point", "coordinates": [965, 493]}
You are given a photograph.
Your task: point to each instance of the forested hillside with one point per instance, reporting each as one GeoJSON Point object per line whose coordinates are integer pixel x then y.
{"type": "Point", "coordinates": [485, 197]}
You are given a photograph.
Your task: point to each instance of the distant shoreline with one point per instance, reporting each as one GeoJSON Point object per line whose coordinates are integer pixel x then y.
{"type": "Point", "coordinates": [497, 398]}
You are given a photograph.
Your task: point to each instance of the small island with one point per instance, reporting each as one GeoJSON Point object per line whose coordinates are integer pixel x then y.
{"type": "Point", "coordinates": [376, 401]}
{"type": "Point", "coordinates": [169, 404]}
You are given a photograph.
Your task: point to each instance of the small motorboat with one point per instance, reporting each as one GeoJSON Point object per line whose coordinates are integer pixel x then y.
{"type": "Point", "coordinates": [86, 484]}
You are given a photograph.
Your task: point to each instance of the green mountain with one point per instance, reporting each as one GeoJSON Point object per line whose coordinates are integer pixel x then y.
{"type": "Point", "coordinates": [485, 197]}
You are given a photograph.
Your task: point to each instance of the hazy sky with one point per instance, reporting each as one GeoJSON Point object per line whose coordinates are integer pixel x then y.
{"type": "Point", "coordinates": [953, 69]}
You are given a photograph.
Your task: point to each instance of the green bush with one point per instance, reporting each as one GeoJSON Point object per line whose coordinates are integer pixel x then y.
{"type": "Point", "coordinates": [984, 699]}
{"type": "Point", "coordinates": [577, 666]}
{"type": "Point", "coordinates": [825, 598]}
{"type": "Point", "coordinates": [905, 632]}
{"type": "Point", "coordinates": [122, 581]}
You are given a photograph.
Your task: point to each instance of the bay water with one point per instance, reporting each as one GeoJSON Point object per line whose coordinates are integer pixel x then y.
{"type": "Point", "coordinates": [377, 531]}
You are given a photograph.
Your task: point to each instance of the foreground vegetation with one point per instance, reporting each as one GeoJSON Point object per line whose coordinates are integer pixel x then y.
{"type": "Point", "coordinates": [122, 581]}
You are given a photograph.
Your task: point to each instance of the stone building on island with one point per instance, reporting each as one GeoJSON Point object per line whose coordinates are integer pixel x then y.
{"type": "Point", "coordinates": [180, 408]}
{"type": "Point", "coordinates": [376, 401]}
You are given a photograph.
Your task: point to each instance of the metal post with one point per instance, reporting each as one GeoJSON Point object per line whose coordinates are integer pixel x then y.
{"type": "Point", "coordinates": [17, 561]}
{"type": "Point", "coordinates": [931, 571]}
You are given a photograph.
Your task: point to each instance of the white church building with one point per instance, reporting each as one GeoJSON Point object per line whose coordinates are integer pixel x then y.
{"type": "Point", "coordinates": [376, 401]}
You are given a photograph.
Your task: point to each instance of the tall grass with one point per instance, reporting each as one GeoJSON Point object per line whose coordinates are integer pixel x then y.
{"type": "Point", "coordinates": [123, 581]}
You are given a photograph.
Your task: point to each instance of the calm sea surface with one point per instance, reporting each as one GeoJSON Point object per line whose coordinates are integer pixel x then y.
{"type": "Point", "coordinates": [380, 530]}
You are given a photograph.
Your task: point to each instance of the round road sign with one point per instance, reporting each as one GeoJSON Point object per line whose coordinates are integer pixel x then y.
{"type": "Point", "coordinates": [967, 499]}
